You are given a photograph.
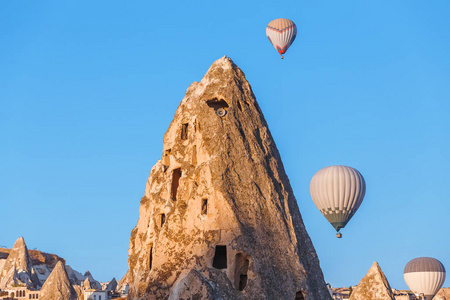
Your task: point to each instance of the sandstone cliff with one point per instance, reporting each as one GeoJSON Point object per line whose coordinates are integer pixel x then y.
{"type": "Point", "coordinates": [58, 286]}
{"type": "Point", "coordinates": [219, 212]}
{"type": "Point", "coordinates": [374, 286]}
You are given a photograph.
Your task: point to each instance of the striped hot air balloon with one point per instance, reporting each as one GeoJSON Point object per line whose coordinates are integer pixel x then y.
{"type": "Point", "coordinates": [338, 191]}
{"type": "Point", "coordinates": [281, 34]}
{"type": "Point", "coordinates": [424, 275]}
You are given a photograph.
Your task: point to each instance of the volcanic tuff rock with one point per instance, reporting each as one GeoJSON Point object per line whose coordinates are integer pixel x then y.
{"type": "Point", "coordinates": [75, 277]}
{"type": "Point", "coordinates": [93, 283]}
{"type": "Point", "coordinates": [443, 294]}
{"type": "Point", "coordinates": [374, 286]}
{"type": "Point", "coordinates": [122, 285]}
{"type": "Point", "coordinates": [57, 285]}
{"type": "Point", "coordinates": [112, 285]}
{"type": "Point", "coordinates": [37, 257]}
{"type": "Point", "coordinates": [20, 260]}
{"type": "Point", "coordinates": [218, 208]}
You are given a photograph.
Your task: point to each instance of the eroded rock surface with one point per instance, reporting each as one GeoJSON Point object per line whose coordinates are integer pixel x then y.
{"type": "Point", "coordinates": [219, 202]}
{"type": "Point", "coordinates": [18, 267]}
{"type": "Point", "coordinates": [443, 294]}
{"type": "Point", "coordinates": [374, 286]}
{"type": "Point", "coordinates": [58, 286]}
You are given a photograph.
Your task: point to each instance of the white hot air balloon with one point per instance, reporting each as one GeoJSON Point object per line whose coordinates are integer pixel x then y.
{"type": "Point", "coordinates": [281, 34]}
{"type": "Point", "coordinates": [424, 276]}
{"type": "Point", "coordinates": [338, 191]}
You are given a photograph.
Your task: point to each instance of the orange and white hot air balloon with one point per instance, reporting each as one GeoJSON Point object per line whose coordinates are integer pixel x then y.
{"type": "Point", "coordinates": [281, 33]}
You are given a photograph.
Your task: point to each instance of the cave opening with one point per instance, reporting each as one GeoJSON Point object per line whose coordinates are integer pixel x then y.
{"type": "Point", "coordinates": [150, 258]}
{"type": "Point", "coordinates": [220, 257]}
{"type": "Point", "coordinates": [184, 131]}
{"type": "Point", "coordinates": [241, 269]}
{"type": "Point", "coordinates": [175, 182]}
{"type": "Point", "coordinates": [299, 296]}
{"type": "Point", "coordinates": [204, 206]}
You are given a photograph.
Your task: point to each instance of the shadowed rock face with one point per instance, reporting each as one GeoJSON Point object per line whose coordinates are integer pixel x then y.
{"type": "Point", "coordinates": [219, 203]}
{"type": "Point", "coordinates": [374, 286]}
{"type": "Point", "coordinates": [57, 285]}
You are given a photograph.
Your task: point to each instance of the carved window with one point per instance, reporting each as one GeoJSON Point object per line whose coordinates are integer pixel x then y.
{"type": "Point", "coordinates": [184, 131]}
{"type": "Point", "coordinates": [166, 159]}
{"type": "Point", "coordinates": [175, 182]}
{"type": "Point", "coordinates": [150, 258]}
{"type": "Point", "coordinates": [240, 274]}
{"type": "Point", "coordinates": [220, 257]}
{"type": "Point", "coordinates": [204, 206]}
{"type": "Point", "coordinates": [163, 219]}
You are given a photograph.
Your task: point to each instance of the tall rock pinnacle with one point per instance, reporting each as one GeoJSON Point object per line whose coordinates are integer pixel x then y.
{"type": "Point", "coordinates": [57, 285]}
{"type": "Point", "coordinates": [219, 217]}
{"type": "Point", "coordinates": [20, 260]}
{"type": "Point", "coordinates": [374, 286]}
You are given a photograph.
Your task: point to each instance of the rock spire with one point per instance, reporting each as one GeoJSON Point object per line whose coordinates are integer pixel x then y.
{"type": "Point", "coordinates": [57, 285]}
{"type": "Point", "coordinates": [374, 286]}
{"type": "Point", "coordinates": [218, 209]}
{"type": "Point", "coordinates": [20, 260]}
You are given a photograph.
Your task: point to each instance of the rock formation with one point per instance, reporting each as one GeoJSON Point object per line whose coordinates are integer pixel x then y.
{"type": "Point", "coordinates": [76, 278]}
{"type": "Point", "coordinates": [87, 284]}
{"type": "Point", "coordinates": [111, 286]}
{"type": "Point", "coordinates": [218, 210]}
{"type": "Point", "coordinates": [20, 266]}
{"type": "Point", "coordinates": [122, 285]}
{"type": "Point", "coordinates": [93, 283]}
{"type": "Point", "coordinates": [443, 294]}
{"type": "Point", "coordinates": [20, 260]}
{"type": "Point", "coordinates": [37, 258]}
{"type": "Point", "coordinates": [57, 285]}
{"type": "Point", "coordinates": [374, 286]}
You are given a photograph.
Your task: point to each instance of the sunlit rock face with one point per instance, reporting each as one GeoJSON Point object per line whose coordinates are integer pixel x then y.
{"type": "Point", "coordinates": [443, 294]}
{"type": "Point", "coordinates": [219, 212]}
{"type": "Point", "coordinates": [58, 286]}
{"type": "Point", "coordinates": [18, 267]}
{"type": "Point", "coordinates": [374, 286]}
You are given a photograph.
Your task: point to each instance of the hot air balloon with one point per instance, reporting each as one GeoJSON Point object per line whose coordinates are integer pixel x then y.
{"type": "Point", "coordinates": [281, 34]}
{"type": "Point", "coordinates": [424, 275]}
{"type": "Point", "coordinates": [338, 191]}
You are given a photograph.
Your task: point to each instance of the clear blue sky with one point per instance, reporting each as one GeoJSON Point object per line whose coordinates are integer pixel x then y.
{"type": "Point", "coordinates": [88, 88]}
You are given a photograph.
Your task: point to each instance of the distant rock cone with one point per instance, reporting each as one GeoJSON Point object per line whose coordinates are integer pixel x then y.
{"type": "Point", "coordinates": [94, 284]}
{"type": "Point", "coordinates": [19, 259]}
{"type": "Point", "coordinates": [219, 203]}
{"type": "Point", "coordinates": [112, 285]}
{"type": "Point", "coordinates": [57, 285]}
{"type": "Point", "coordinates": [374, 286]}
{"type": "Point", "coordinates": [87, 284]}
{"type": "Point", "coordinates": [76, 278]}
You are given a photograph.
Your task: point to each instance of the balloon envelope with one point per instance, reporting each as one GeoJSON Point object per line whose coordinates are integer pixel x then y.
{"type": "Point", "coordinates": [281, 33]}
{"type": "Point", "coordinates": [424, 275]}
{"type": "Point", "coordinates": [338, 191]}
